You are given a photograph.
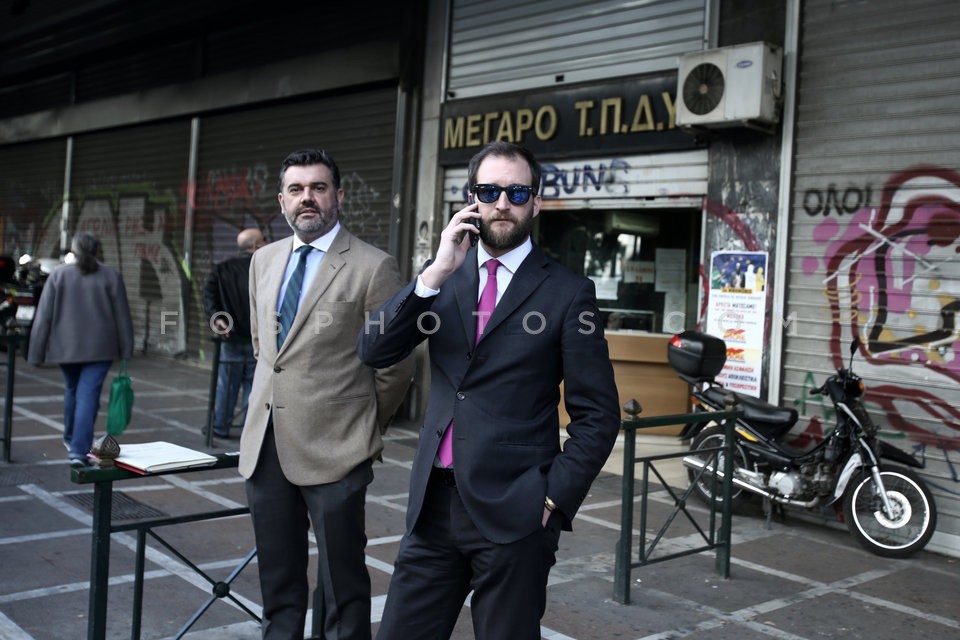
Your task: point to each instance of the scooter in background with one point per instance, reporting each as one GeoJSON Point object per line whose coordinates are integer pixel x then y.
{"type": "Point", "coordinates": [20, 288]}
{"type": "Point", "coordinates": [887, 508]}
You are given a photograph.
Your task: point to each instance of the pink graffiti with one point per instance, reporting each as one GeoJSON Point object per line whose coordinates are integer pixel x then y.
{"type": "Point", "coordinates": [891, 276]}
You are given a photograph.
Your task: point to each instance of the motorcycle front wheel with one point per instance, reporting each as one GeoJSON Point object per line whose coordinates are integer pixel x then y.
{"type": "Point", "coordinates": [896, 535]}
{"type": "Point", "coordinates": [707, 485]}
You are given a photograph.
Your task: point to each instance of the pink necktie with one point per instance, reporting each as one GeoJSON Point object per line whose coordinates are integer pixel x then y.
{"type": "Point", "coordinates": [488, 300]}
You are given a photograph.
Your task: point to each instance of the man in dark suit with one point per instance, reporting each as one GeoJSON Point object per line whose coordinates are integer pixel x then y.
{"type": "Point", "coordinates": [490, 521]}
{"type": "Point", "coordinates": [316, 412]}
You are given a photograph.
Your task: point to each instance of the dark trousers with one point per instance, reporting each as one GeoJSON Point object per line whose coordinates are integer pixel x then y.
{"type": "Point", "coordinates": [445, 557]}
{"type": "Point", "coordinates": [281, 514]}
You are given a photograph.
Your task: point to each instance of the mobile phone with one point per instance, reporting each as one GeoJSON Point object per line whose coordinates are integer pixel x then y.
{"type": "Point", "coordinates": [474, 237]}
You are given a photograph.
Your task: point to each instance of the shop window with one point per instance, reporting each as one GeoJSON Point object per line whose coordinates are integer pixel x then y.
{"type": "Point", "coordinates": [644, 263]}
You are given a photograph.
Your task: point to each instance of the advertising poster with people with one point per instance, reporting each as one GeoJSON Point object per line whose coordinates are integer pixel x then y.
{"type": "Point", "coordinates": [736, 310]}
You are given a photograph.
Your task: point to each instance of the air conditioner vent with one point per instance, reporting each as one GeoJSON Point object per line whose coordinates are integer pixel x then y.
{"type": "Point", "coordinates": [730, 87]}
{"type": "Point", "coordinates": [703, 88]}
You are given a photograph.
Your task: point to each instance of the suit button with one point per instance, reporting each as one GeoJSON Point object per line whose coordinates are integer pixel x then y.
{"type": "Point", "coordinates": [461, 395]}
{"type": "Point", "coordinates": [277, 369]}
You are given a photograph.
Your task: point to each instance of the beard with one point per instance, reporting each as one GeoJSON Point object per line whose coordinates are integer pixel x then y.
{"type": "Point", "coordinates": [309, 229]}
{"type": "Point", "coordinates": [512, 237]}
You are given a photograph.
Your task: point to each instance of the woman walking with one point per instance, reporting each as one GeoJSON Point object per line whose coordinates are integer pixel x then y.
{"type": "Point", "coordinates": [83, 323]}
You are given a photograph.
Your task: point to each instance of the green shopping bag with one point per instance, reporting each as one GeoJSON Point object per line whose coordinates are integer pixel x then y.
{"type": "Point", "coordinates": [120, 408]}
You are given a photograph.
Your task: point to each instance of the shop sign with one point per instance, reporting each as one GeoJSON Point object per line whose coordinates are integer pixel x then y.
{"type": "Point", "coordinates": [628, 116]}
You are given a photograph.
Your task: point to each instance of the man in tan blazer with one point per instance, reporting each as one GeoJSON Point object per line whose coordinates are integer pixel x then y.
{"type": "Point", "coordinates": [316, 412]}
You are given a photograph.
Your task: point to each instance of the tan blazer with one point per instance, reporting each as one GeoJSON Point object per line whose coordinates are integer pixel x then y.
{"type": "Point", "coordinates": [328, 407]}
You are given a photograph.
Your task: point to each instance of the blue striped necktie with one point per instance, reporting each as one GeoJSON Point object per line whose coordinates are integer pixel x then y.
{"type": "Point", "coordinates": [291, 297]}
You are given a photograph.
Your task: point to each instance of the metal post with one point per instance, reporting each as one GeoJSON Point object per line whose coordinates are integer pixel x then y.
{"type": "Point", "coordinates": [139, 566]}
{"type": "Point", "coordinates": [100, 560]}
{"type": "Point", "coordinates": [726, 514]}
{"type": "Point", "coordinates": [8, 399]}
{"type": "Point", "coordinates": [621, 569]}
{"type": "Point", "coordinates": [211, 403]}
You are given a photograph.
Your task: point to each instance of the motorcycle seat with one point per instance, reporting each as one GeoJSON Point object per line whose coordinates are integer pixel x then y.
{"type": "Point", "coordinates": [769, 419]}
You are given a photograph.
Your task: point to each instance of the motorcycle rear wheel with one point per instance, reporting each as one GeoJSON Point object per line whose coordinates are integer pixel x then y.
{"type": "Point", "coordinates": [914, 519]}
{"type": "Point", "coordinates": [708, 486]}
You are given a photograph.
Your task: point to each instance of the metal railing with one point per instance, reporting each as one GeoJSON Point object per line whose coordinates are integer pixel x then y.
{"type": "Point", "coordinates": [714, 538]}
{"type": "Point", "coordinates": [12, 342]}
{"type": "Point", "coordinates": [212, 399]}
{"type": "Point", "coordinates": [103, 527]}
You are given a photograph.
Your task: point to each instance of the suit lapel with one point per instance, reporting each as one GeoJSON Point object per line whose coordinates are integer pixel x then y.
{"type": "Point", "coordinates": [466, 288]}
{"type": "Point", "coordinates": [524, 282]}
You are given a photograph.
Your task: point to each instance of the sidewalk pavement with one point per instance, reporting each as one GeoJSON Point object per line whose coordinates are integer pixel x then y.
{"type": "Point", "coordinates": [798, 579]}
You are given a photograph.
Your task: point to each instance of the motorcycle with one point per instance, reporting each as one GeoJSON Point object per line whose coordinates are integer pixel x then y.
{"type": "Point", "coordinates": [20, 289]}
{"type": "Point", "coordinates": [887, 508]}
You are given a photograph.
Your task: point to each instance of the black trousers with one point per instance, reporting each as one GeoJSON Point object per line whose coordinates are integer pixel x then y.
{"type": "Point", "coordinates": [445, 557]}
{"type": "Point", "coordinates": [281, 513]}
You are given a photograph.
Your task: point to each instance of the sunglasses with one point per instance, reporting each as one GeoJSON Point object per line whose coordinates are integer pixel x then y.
{"type": "Point", "coordinates": [516, 193]}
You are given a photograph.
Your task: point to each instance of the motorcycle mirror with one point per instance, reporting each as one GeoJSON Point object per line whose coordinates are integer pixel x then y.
{"type": "Point", "coordinates": [853, 350]}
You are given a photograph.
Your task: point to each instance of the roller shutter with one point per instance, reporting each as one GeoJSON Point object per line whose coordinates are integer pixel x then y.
{"type": "Point", "coordinates": [875, 232]}
{"type": "Point", "coordinates": [31, 198]}
{"type": "Point", "coordinates": [128, 186]}
{"type": "Point", "coordinates": [503, 45]}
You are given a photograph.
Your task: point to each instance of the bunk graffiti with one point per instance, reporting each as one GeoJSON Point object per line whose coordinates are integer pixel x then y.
{"type": "Point", "coordinates": [891, 274]}
{"type": "Point", "coordinates": [562, 180]}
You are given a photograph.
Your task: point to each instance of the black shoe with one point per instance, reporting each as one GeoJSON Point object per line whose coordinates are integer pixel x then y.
{"type": "Point", "coordinates": [222, 434]}
{"type": "Point", "coordinates": [79, 463]}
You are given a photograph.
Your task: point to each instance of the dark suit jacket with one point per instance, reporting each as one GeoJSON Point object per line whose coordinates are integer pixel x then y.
{"type": "Point", "coordinates": [503, 393]}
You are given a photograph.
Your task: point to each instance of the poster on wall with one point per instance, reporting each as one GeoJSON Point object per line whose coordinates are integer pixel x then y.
{"type": "Point", "coordinates": [736, 312]}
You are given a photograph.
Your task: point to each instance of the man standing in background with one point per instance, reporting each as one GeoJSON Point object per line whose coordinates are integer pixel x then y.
{"type": "Point", "coordinates": [226, 301]}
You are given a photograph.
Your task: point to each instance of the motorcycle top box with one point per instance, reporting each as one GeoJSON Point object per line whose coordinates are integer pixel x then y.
{"type": "Point", "coordinates": [697, 355]}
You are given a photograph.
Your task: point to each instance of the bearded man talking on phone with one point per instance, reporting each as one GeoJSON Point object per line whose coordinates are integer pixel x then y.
{"type": "Point", "coordinates": [491, 488]}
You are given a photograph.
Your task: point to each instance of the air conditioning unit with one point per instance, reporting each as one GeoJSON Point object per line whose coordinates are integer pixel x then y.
{"type": "Point", "coordinates": [730, 87]}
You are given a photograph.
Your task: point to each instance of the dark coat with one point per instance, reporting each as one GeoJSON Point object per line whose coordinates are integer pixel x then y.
{"type": "Point", "coordinates": [81, 318]}
{"type": "Point", "coordinates": [503, 393]}
{"type": "Point", "coordinates": [227, 290]}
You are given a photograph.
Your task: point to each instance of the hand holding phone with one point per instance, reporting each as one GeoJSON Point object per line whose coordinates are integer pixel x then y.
{"type": "Point", "coordinates": [474, 237]}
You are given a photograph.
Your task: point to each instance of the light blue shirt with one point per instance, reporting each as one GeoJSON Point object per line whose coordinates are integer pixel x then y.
{"type": "Point", "coordinates": [314, 258]}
